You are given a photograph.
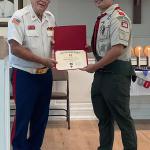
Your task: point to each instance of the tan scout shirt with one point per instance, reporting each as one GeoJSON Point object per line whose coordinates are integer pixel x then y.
{"type": "Point", "coordinates": [115, 28]}
{"type": "Point", "coordinates": [26, 28]}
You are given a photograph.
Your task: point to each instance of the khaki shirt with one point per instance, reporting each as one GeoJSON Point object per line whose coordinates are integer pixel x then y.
{"type": "Point", "coordinates": [26, 28]}
{"type": "Point", "coordinates": [114, 28]}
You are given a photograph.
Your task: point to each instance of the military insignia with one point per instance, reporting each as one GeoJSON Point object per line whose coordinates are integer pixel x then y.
{"type": "Point", "coordinates": [124, 24]}
{"type": "Point", "coordinates": [31, 27]}
{"type": "Point", "coordinates": [50, 31]}
{"type": "Point", "coordinates": [16, 21]}
{"type": "Point", "coordinates": [50, 28]}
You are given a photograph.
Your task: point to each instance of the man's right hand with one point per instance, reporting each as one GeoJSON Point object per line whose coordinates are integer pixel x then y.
{"type": "Point", "coordinates": [50, 63]}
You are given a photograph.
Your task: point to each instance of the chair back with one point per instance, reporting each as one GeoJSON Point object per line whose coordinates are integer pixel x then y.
{"type": "Point", "coordinates": [60, 75]}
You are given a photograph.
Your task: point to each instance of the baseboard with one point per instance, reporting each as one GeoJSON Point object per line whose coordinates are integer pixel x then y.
{"type": "Point", "coordinates": [84, 111]}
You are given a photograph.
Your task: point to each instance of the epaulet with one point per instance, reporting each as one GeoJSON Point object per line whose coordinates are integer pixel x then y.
{"type": "Point", "coordinates": [120, 12]}
{"type": "Point", "coordinates": [21, 12]}
{"type": "Point", "coordinates": [49, 13]}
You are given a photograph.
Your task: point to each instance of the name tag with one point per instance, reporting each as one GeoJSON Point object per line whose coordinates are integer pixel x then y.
{"type": "Point", "coordinates": [31, 27]}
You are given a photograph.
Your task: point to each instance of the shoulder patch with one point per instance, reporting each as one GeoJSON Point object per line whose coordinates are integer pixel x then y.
{"type": "Point", "coordinates": [124, 24]}
{"type": "Point", "coordinates": [16, 21]}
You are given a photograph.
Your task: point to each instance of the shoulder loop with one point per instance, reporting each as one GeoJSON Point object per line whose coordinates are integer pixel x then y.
{"type": "Point", "coordinates": [49, 13]}
{"type": "Point", "coordinates": [20, 13]}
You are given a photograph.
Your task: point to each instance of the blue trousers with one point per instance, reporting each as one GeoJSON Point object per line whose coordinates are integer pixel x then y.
{"type": "Point", "coordinates": [32, 95]}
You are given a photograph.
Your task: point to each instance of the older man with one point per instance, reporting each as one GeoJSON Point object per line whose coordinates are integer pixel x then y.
{"type": "Point", "coordinates": [110, 91]}
{"type": "Point", "coordinates": [29, 36]}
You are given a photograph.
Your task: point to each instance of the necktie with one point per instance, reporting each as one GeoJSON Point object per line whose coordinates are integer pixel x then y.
{"type": "Point", "coordinates": [95, 31]}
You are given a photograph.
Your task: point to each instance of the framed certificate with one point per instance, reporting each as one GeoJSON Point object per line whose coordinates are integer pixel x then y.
{"type": "Point", "coordinates": [71, 59]}
{"type": "Point", "coordinates": [69, 47]}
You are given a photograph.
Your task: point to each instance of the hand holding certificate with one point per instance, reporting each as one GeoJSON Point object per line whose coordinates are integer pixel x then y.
{"type": "Point", "coordinates": [70, 59]}
{"type": "Point", "coordinates": [69, 47]}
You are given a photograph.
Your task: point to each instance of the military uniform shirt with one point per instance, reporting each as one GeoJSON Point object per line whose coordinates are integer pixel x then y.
{"type": "Point", "coordinates": [26, 28]}
{"type": "Point", "coordinates": [115, 28]}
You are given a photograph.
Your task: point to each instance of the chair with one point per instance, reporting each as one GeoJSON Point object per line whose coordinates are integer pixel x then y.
{"type": "Point", "coordinates": [59, 76]}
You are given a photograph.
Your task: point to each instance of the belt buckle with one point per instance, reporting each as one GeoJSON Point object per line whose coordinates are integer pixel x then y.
{"type": "Point", "coordinates": [41, 70]}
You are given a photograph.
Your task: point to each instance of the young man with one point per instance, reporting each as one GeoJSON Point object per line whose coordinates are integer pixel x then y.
{"type": "Point", "coordinates": [110, 91]}
{"type": "Point", "coordinates": [29, 39]}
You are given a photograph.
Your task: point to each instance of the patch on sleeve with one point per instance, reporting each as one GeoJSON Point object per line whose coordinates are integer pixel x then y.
{"type": "Point", "coordinates": [16, 21]}
{"type": "Point", "coordinates": [124, 35]}
{"type": "Point", "coordinates": [124, 24]}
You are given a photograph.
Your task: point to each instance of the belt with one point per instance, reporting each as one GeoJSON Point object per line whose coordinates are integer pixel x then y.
{"type": "Point", "coordinates": [41, 70]}
{"type": "Point", "coordinates": [33, 70]}
{"type": "Point", "coordinates": [104, 70]}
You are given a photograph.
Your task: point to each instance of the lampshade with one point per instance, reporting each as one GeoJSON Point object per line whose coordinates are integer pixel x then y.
{"type": "Point", "coordinates": [138, 51]}
{"type": "Point", "coordinates": [147, 51]}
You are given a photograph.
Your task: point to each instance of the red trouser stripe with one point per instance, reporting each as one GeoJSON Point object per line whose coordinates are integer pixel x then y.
{"type": "Point", "coordinates": [14, 97]}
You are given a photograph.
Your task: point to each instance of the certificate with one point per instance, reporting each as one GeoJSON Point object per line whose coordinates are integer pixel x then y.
{"type": "Point", "coordinates": [70, 59]}
{"type": "Point", "coordinates": [69, 47]}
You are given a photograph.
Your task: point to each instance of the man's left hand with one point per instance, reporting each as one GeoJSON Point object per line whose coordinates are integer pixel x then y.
{"type": "Point", "coordinates": [91, 68]}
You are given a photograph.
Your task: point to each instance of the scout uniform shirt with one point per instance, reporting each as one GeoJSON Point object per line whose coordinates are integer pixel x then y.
{"type": "Point", "coordinates": [26, 28]}
{"type": "Point", "coordinates": [114, 29]}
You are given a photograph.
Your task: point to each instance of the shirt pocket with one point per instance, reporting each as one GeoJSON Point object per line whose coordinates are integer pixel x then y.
{"type": "Point", "coordinates": [32, 39]}
{"type": "Point", "coordinates": [32, 33]}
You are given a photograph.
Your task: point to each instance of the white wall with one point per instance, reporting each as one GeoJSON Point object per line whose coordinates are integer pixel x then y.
{"type": "Point", "coordinates": [69, 12]}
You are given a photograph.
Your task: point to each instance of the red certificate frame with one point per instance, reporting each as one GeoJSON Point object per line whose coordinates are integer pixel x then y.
{"type": "Point", "coordinates": [69, 47]}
